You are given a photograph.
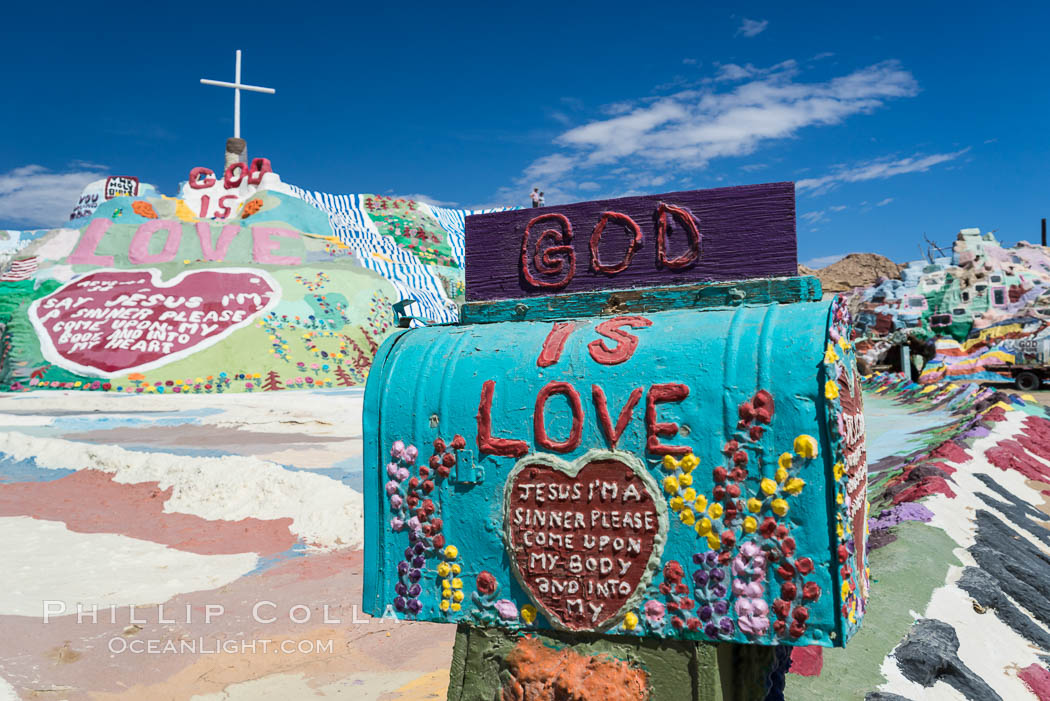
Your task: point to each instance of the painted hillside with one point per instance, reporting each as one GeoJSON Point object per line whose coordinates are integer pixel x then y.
{"type": "Point", "coordinates": [239, 282]}
{"type": "Point", "coordinates": [975, 306]}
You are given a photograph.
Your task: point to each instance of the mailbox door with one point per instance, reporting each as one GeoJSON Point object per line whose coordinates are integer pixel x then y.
{"type": "Point", "coordinates": [672, 474]}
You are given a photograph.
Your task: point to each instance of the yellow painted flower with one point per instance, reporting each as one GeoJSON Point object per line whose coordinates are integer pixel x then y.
{"type": "Point", "coordinates": [689, 462]}
{"type": "Point", "coordinates": [444, 570]}
{"type": "Point", "coordinates": [670, 464]}
{"type": "Point", "coordinates": [750, 524]}
{"type": "Point", "coordinates": [446, 593]}
{"type": "Point", "coordinates": [781, 475]}
{"type": "Point", "coordinates": [670, 484]}
{"type": "Point", "coordinates": [754, 505]}
{"type": "Point", "coordinates": [700, 504]}
{"type": "Point", "coordinates": [456, 569]}
{"type": "Point", "coordinates": [805, 446]}
{"type": "Point", "coordinates": [703, 527]}
{"type": "Point", "coordinates": [714, 542]}
{"type": "Point", "coordinates": [840, 470]}
{"type": "Point", "coordinates": [451, 553]}
{"type": "Point", "coordinates": [830, 356]}
{"type": "Point", "coordinates": [630, 620]}
{"type": "Point", "coordinates": [457, 596]}
{"type": "Point", "coordinates": [689, 494]}
{"type": "Point", "coordinates": [785, 460]}
{"type": "Point", "coordinates": [769, 487]}
{"type": "Point", "coordinates": [456, 607]}
{"type": "Point", "coordinates": [780, 507]}
{"type": "Point", "coordinates": [843, 343]}
{"type": "Point", "coordinates": [840, 499]}
{"type": "Point", "coordinates": [528, 613]}
{"type": "Point", "coordinates": [685, 480]}
{"type": "Point", "coordinates": [715, 511]}
{"type": "Point", "coordinates": [676, 503]}
{"type": "Point", "coordinates": [687, 516]}
{"type": "Point", "coordinates": [457, 583]}
{"type": "Point", "coordinates": [840, 531]}
{"type": "Point", "coordinates": [845, 590]}
{"type": "Point", "coordinates": [831, 389]}
{"type": "Point", "coordinates": [794, 486]}
{"type": "Point", "coordinates": [444, 605]}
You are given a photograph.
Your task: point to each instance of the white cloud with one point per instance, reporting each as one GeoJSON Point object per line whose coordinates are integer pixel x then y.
{"type": "Point", "coordinates": [884, 202]}
{"type": "Point", "coordinates": [690, 62]}
{"type": "Point", "coordinates": [814, 217]}
{"type": "Point", "coordinates": [879, 169]}
{"type": "Point", "coordinates": [752, 27]}
{"type": "Point", "coordinates": [33, 196]}
{"type": "Point", "coordinates": [837, 207]}
{"type": "Point", "coordinates": [823, 261]}
{"type": "Point", "coordinates": [688, 129]}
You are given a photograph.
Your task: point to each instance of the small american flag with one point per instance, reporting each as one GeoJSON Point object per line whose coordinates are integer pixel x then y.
{"type": "Point", "coordinates": [20, 270]}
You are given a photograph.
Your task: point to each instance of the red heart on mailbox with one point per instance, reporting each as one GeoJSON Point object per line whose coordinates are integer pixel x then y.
{"type": "Point", "coordinates": [584, 537]}
{"type": "Point", "coordinates": [113, 322]}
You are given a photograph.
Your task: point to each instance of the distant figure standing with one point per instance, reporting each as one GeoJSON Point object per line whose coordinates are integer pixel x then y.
{"type": "Point", "coordinates": [540, 200]}
{"type": "Point", "coordinates": [536, 197]}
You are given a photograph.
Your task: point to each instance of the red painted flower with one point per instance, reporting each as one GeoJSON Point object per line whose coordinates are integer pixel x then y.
{"type": "Point", "coordinates": [756, 432]}
{"type": "Point", "coordinates": [797, 629]}
{"type": "Point", "coordinates": [843, 553]}
{"type": "Point", "coordinates": [728, 539]}
{"type": "Point", "coordinates": [439, 541]}
{"type": "Point", "coordinates": [788, 591]}
{"type": "Point", "coordinates": [801, 613]}
{"type": "Point", "coordinates": [740, 458]}
{"type": "Point", "coordinates": [458, 443]}
{"type": "Point", "coordinates": [763, 400]}
{"type": "Point", "coordinates": [673, 572]}
{"type": "Point", "coordinates": [720, 474]}
{"type": "Point", "coordinates": [810, 591]}
{"type": "Point", "coordinates": [804, 564]}
{"type": "Point", "coordinates": [439, 445]}
{"type": "Point", "coordinates": [788, 546]}
{"type": "Point", "coordinates": [781, 608]}
{"type": "Point", "coordinates": [435, 461]}
{"type": "Point", "coordinates": [733, 490]}
{"type": "Point", "coordinates": [779, 627]}
{"type": "Point", "coordinates": [746, 411]}
{"type": "Point", "coordinates": [448, 459]}
{"type": "Point", "coordinates": [719, 493]}
{"type": "Point", "coordinates": [768, 527]}
{"type": "Point", "coordinates": [677, 622]}
{"type": "Point", "coordinates": [730, 447]}
{"type": "Point", "coordinates": [486, 583]}
{"type": "Point", "coordinates": [786, 570]}
{"type": "Point", "coordinates": [681, 588]}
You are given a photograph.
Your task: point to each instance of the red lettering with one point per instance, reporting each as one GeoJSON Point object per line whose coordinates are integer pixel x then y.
{"type": "Point", "coordinates": [596, 237]}
{"type": "Point", "coordinates": [625, 343]}
{"type": "Point", "coordinates": [260, 167]}
{"type": "Point", "coordinates": [611, 435]}
{"type": "Point", "coordinates": [195, 178]}
{"type": "Point", "coordinates": [691, 229]}
{"type": "Point", "coordinates": [224, 209]}
{"type": "Point", "coordinates": [228, 176]}
{"type": "Point", "coordinates": [545, 262]}
{"type": "Point", "coordinates": [575, 433]}
{"type": "Point", "coordinates": [486, 443]}
{"type": "Point", "coordinates": [205, 202]}
{"type": "Point", "coordinates": [554, 344]}
{"type": "Point", "coordinates": [660, 394]}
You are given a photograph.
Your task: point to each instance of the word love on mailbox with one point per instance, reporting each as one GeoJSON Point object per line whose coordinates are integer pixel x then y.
{"type": "Point", "coordinates": [687, 463]}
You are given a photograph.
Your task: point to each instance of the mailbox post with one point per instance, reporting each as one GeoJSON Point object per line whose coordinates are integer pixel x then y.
{"type": "Point", "coordinates": [644, 438]}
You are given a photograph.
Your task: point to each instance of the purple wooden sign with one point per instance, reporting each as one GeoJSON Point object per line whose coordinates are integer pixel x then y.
{"type": "Point", "coordinates": [729, 233]}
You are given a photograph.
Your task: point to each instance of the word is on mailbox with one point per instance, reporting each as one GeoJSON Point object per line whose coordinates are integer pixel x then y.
{"type": "Point", "coordinates": [675, 472]}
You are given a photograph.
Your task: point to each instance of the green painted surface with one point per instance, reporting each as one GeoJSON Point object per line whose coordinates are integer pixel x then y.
{"type": "Point", "coordinates": [904, 576]}
{"type": "Point", "coordinates": [678, 670]}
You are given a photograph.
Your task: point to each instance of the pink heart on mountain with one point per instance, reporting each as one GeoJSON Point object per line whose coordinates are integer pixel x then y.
{"type": "Point", "coordinates": [114, 322]}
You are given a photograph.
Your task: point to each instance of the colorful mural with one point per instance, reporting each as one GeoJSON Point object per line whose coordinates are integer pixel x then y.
{"type": "Point", "coordinates": [974, 306]}
{"type": "Point", "coordinates": [241, 283]}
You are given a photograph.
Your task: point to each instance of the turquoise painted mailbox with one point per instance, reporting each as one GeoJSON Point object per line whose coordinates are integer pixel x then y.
{"type": "Point", "coordinates": [680, 461]}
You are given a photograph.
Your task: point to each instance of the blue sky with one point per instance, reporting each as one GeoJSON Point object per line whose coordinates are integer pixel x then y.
{"type": "Point", "coordinates": [895, 120]}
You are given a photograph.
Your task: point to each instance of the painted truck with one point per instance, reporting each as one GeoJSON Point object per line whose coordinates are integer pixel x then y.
{"type": "Point", "coordinates": [667, 446]}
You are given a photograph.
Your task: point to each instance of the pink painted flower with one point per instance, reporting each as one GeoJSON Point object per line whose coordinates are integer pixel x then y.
{"type": "Point", "coordinates": [655, 611]}
{"type": "Point", "coordinates": [507, 610]}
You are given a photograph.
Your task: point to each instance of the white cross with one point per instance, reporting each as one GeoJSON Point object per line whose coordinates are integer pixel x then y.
{"type": "Point", "coordinates": [237, 87]}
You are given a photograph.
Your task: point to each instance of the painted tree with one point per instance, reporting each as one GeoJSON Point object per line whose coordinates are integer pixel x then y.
{"type": "Point", "coordinates": [344, 377]}
{"type": "Point", "coordinates": [272, 383]}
